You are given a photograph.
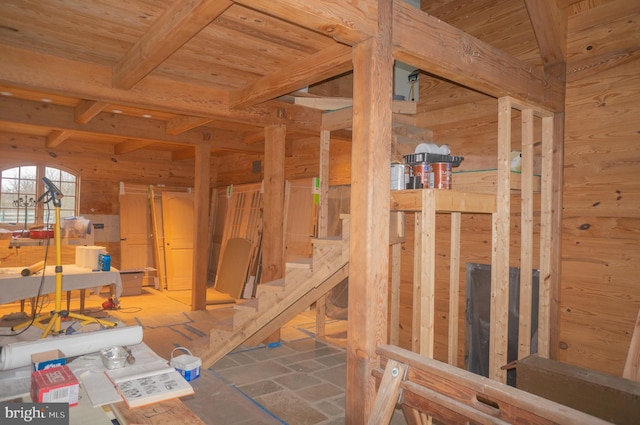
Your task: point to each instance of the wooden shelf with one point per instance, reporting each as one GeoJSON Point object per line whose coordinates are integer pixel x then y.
{"type": "Point", "coordinates": [484, 181]}
{"type": "Point", "coordinates": [445, 201]}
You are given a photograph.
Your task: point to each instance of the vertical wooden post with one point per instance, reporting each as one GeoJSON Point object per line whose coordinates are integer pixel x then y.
{"type": "Point", "coordinates": [555, 230]}
{"type": "Point", "coordinates": [526, 235]}
{"type": "Point", "coordinates": [427, 278]}
{"type": "Point", "coordinates": [454, 287]}
{"type": "Point", "coordinates": [416, 314]}
{"type": "Point", "coordinates": [369, 228]}
{"type": "Point", "coordinates": [323, 219]}
{"type": "Point", "coordinates": [499, 327]}
{"type": "Point", "coordinates": [394, 318]}
{"type": "Point", "coordinates": [201, 219]}
{"type": "Point", "coordinates": [546, 229]}
{"type": "Point", "coordinates": [273, 216]}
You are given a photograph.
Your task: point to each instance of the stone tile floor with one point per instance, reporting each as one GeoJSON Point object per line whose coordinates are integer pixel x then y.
{"type": "Point", "coordinates": [300, 381]}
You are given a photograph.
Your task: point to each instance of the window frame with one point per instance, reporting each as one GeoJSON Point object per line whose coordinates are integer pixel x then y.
{"type": "Point", "coordinates": [41, 207]}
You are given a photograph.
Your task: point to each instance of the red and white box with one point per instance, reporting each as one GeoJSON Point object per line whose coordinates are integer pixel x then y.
{"type": "Point", "coordinates": [54, 385]}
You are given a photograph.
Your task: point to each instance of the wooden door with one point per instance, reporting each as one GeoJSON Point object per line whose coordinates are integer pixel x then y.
{"type": "Point", "coordinates": [135, 228]}
{"type": "Point", "coordinates": [177, 212]}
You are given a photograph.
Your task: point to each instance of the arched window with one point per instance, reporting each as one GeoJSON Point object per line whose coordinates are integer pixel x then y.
{"type": "Point", "coordinates": [23, 198]}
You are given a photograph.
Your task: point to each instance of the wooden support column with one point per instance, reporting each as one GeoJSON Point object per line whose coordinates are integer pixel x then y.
{"type": "Point", "coordinates": [546, 288]}
{"type": "Point", "coordinates": [555, 230]}
{"type": "Point", "coordinates": [369, 229]}
{"type": "Point", "coordinates": [454, 287]}
{"type": "Point", "coordinates": [499, 327]}
{"type": "Point", "coordinates": [416, 314]}
{"type": "Point", "coordinates": [273, 216]}
{"type": "Point", "coordinates": [427, 276]}
{"type": "Point", "coordinates": [201, 219]}
{"type": "Point", "coordinates": [526, 236]}
{"type": "Point", "coordinates": [323, 219]}
{"type": "Point", "coordinates": [394, 317]}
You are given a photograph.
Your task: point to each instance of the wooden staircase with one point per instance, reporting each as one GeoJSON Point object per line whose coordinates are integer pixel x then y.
{"type": "Point", "coordinates": [279, 301]}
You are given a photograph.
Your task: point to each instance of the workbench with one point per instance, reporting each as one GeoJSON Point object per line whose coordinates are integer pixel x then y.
{"type": "Point", "coordinates": [15, 287]}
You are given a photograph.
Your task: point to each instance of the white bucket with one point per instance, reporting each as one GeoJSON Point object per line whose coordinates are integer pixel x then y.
{"type": "Point", "coordinates": [187, 365]}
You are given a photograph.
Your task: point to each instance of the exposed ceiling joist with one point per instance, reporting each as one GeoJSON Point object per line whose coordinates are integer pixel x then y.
{"type": "Point", "coordinates": [181, 124]}
{"type": "Point", "coordinates": [56, 137]}
{"type": "Point", "coordinates": [451, 53]}
{"type": "Point", "coordinates": [129, 146]}
{"type": "Point", "coordinates": [550, 27]}
{"type": "Point", "coordinates": [327, 63]}
{"type": "Point", "coordinates": [90, 81]}
{"type": "Point", "coordinates": [87, 109]}
{"type": "Point", "coordinates": [178, 24]}
{"type": "Point", "coordinates": [346, 21]}
{"type": "Point", "coordinates": [61, 118]}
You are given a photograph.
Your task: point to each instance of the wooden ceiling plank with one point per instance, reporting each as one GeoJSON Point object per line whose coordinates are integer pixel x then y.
{"type": "Point", "coordinates": [322, 65]}
{"type": "Point", "coordinates": [56, 137]}
{"type": "Point", "coordinates": [180, 22]}
{"type": "Point", "coordinates": [550, 28]}
{"type": "Point", "coordinates": [448, 52]}
{"type": "Point", "coordinates": [181, 124]}
{"type": "Point", "coordinates": [23, 68]}
{"type": "Point", "coordinates": [130, 145]}
{"type": "Point", "coordinates": [346, 21]}
{"type": "Point", "coordinates": [88, 109]}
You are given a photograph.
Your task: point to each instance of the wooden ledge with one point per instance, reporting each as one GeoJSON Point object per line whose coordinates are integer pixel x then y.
{"type": "Point", "coordinates": [445, 201]}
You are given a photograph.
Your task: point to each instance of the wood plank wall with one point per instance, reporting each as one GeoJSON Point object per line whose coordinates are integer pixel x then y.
{"type": "Point", "coordinates": [100, 172]}
{"type": "Point", "coordinates": [600, 290]}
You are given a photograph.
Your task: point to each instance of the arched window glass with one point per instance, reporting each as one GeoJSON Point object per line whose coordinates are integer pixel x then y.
{"type": "Point", "coordinates": [23, 198]}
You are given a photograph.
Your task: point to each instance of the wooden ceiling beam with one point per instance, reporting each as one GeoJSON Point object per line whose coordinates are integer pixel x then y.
{"type": "Point", "coordinates": [436, 47]}
{"type": "Point", "coordinates": [181, 124]}
{"type": "Point", "coordinates": [327, 63]}
{"type": "Point", "coordinates": [177, 25]}
{"type": "Point", "coordinates": [550, 28]}
{"type": "Point", "coordinates": [349, 22]}
{"type": "Point", "coordinates": [182, 154]}
{"type": "Point", "coordinates": [130, 145]}
{"type": "Point", "coordinates": [22, 68]}
{"type": "Point", "coordinates": [61, 118]}
{"type": "Point", "coordinates": [88, 109]}
{"type": "Point", "coordinates": [56, 137]}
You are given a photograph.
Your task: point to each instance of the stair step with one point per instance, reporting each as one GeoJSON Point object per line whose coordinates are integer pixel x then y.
{"type": "Point", "coordinates": [251, 305]}
{"type": "Point", "coordinates": [301, 263]}
{"type": "Point", "coordinates": [274, 285]}
{"type": "Point", "coordinates": [332, 240]}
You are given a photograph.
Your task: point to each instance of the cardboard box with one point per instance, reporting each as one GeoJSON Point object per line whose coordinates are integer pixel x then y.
{"type": "Point", "coordinates": [54, 385]}
{"type": "Point", "coordinates": [48, 359]}
{"type": "Point", "coordinates": [131, 282]}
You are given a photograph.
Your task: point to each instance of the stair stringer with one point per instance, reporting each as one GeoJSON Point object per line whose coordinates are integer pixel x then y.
{"type": "Point", "coordinates": [302, 287]}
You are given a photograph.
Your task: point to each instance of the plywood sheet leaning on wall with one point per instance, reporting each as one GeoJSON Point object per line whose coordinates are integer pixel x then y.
{"type": "Point", "coordinates": [234, 266]}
